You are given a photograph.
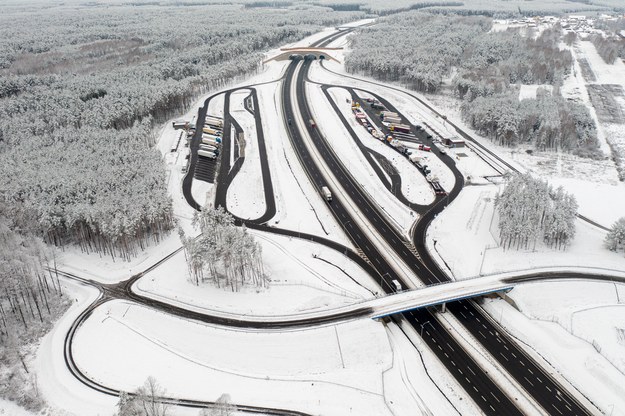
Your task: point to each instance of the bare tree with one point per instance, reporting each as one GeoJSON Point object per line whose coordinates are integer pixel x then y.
{"type": "Point", "coordinates": [222, 407]}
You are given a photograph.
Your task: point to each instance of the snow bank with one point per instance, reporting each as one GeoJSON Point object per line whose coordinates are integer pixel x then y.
{"type": "Point", "coordinates": [246, 196]}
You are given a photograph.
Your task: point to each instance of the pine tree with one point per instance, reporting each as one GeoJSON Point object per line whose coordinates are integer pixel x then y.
{"type": "Point", "coordinates": [615, 240]}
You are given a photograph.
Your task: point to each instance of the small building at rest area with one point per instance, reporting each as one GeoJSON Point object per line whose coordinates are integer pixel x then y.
{"type": "Point", "coordinates": [180, 124]}
{"type": "Point", "coordinates": [453, 142]}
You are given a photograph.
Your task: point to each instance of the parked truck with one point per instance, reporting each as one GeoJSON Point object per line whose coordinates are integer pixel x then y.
{"type": "Point", "coordinates": [384, 114]}
{"type": "Point", "coordinates": [392, 120]}
{"type": "Point", "coordinates": [206, 153]}
{"type": "Point", "coordinates": [211, 136]}
{"type": "Point", "coordinates": [211, 121]}
{"type": "Point", "coordinates": [415, 158]}
{"type": "Point", "coordinates": [212, 131]}
{"type": "Point", "coordinates": [210, 142]}
{"type": "Point", "coordinates": [209, 148]}
{"type": "Point", "coordinates": [326, 193]}
{"type": "Point", "coordinates": [400, 127]}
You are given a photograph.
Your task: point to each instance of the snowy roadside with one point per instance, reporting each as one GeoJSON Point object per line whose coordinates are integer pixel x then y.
{"type": "Point", "coordinates": [331, 370]}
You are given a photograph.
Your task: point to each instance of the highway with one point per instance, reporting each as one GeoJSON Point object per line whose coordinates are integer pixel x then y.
{"type": "Point", "coordinates": [468, 374]}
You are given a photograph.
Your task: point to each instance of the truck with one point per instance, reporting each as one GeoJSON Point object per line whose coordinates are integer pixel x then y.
{"type": "Point", "coordinates": [391, 120]}
{"type": "Point", "coordinates": [415, 158]}
{"type": "Point", "coordinates": [400, 127]}
{"type": "Point", "coordinates": [210, 142]}
{"type": "Point", "coordinates": [209, 130]}
{"type": "Point", "coordinates": [326, 193]}
{"type": "Point", "coordinates": [438, 189]}
{"type": "Point", "coordinates": [397, 285]}
{"type": "Point", "coordinates": [385, 114]}
{"type": "Point", "coordinates": [431, 178]}
{"type": "Point", "coordinates": [180, 124]}
{"type": "Point", "coordinates": [206, 153]}
{"type": "Point", "coordinates": [213, 137]}
{"type": "Point", "coordinates": [212, 121]}
{"type": "Point", "coordinates": [209, 147]}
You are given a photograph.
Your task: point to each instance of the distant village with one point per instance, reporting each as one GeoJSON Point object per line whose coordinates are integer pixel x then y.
{"type": "Point", "coordinates": [583, 26]}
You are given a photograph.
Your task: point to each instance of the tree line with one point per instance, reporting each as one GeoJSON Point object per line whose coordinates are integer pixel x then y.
{"type": "Point", "coordinates": [531, 210]}
{"type": "Point", "coordinates": [147, 400]}
{"type": "Point", "coordinates": [31, 299]}
{"type": "Point", "coordinates": [549, 122]}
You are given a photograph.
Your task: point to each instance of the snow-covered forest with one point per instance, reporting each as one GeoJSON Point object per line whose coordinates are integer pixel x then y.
{"type": "Point", "coordinates": [223, 253]}
{"type": "Point", "coordinates": [81, 90]}
{"type": "Point", "coordinates": [504, 8]}
{"type": "Point", "coordinates": [420, 50]}
{"type": "Point", "coordinates": [529, 209]}
{"type": "Point", "coordinates": [548, 121]}
{"type": "Point", "coordinates": [30, 299]}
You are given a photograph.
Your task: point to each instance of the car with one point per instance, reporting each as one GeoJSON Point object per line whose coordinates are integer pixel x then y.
{"type": "Point", "coordinates": [429, 136]}
{"type": "Point", "coordinates": [442, 151]}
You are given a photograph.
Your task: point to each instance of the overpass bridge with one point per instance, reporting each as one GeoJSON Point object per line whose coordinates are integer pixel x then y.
{"type": "Point", "coordinates": [435, 295]}
{"type": "Point", "coordinates": [304, 52]}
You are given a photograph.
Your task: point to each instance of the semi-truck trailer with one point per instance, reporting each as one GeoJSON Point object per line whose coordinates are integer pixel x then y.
{"type": "Point", "coordinates": [385, 114]}
{"type": "Point", "coordinates": [210, 142]}
{"type": "Point", "coordinates": [214, 122]}
{"type": "Point", "coordinates": [209, 130]}
{"type": "Point", "coordinates": [400, 127]}
{"type": "Point", "coordinates": [392, 120]}
{"type": "Point", "coordinates": [211, 136]}
{"type": "Point", "coordinates": [206, 153]}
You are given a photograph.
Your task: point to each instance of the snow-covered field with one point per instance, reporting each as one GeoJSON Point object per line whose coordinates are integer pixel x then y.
{"type": "Point", "coordinates": [246, 198]}
{"type": "Point", "coordinates": [330, 370]}
{"type": "Point", "coordinates": [304, 277]}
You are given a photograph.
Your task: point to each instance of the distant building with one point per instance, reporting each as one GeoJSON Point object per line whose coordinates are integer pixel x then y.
{"type": "Point", "coordinates": [180, 124]}
{"type": "Point", "coordinates": [453, 142]}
